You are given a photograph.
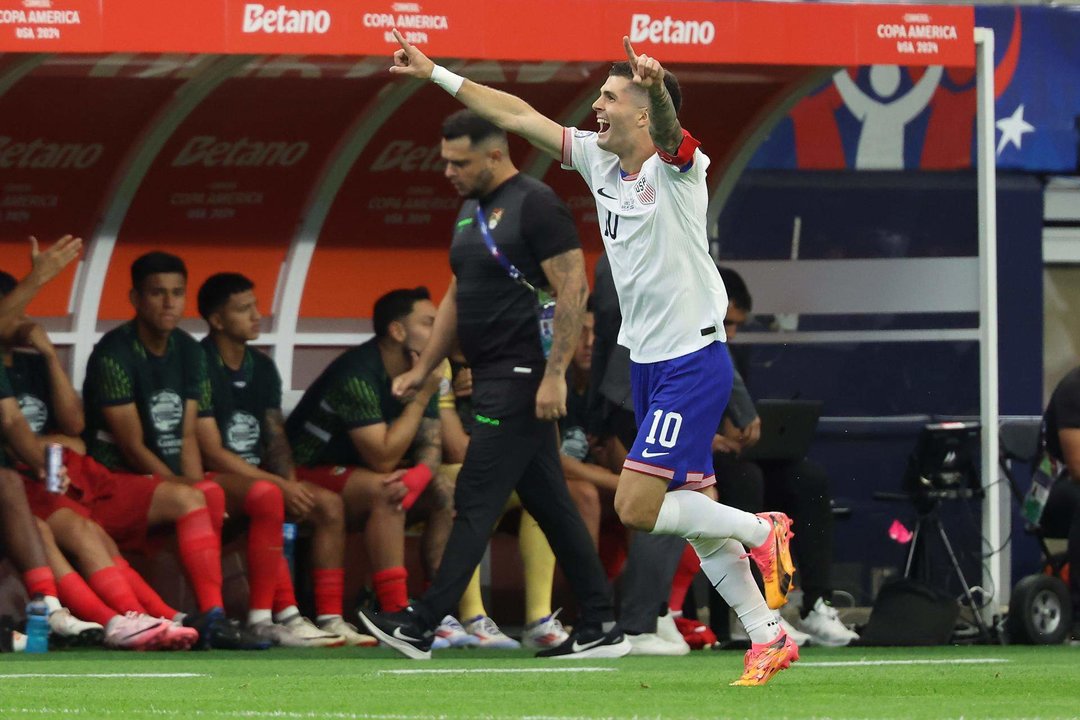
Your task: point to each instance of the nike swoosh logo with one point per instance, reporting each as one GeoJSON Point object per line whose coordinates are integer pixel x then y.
{"type": "Point", "coordinates": [578, 647]}
{"type": "Point", "coordinates": [647, 454]}
{"type": "Point", "coordinates": [402, 636]}
{"type": "Point", "coordinates": [600, 191]}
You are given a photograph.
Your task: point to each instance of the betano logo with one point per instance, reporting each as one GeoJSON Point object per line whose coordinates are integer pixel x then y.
{"type": "Point", "coordinates": [40, 154]}
{"type": "Point", "coordinates": [669, 31]}
{"type": "Point", "coordinates": [285, 21]}
{"type": "Point", "coordinates": [208, 151]}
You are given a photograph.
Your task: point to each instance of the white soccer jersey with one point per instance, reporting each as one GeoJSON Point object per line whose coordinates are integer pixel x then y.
{"type": "Point", "coordinates": [672, 299]}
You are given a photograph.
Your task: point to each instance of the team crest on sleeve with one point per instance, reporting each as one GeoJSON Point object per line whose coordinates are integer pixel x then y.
{"type": "Point", "coordinates": [494, 218]}
{"type": "Point", "coordinates": [645, 192]}
{"type": "Point", "coordinates": [35, 411]}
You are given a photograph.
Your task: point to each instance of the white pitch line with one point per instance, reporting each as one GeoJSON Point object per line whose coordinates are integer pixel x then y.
{"type": "Point", "coordinates": [24, 676]}
{"type": "Point", "coordinates": [863, 663]}
{"type": "Point", "coordinates": [460, 671]}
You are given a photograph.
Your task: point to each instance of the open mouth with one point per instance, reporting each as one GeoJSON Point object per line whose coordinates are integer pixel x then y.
{"type": "Point", "coordinates": [604, 126]}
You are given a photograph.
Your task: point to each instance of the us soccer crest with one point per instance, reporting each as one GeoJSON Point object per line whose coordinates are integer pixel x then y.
{"type": "Point", "coordinates": [494, 218]}
{"type": "Point", "coordinates": [645, 192]}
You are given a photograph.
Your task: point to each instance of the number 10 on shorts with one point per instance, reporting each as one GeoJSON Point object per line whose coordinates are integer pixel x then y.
{"type": "Point", "coordinates": [669, 430]}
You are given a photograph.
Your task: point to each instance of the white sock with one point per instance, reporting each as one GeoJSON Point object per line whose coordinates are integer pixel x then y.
{"type": "Point", "coordinates": [258, 616]}
{"type": "Point", "coordinates": [728, 570]}
{"type": "Point", "coordinates": [286, 613]}
{"type": "Point", "coordinates": [693, 515]}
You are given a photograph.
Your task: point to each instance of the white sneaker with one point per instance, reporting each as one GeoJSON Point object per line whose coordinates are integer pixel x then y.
{"type": "Point", "coordinates": [337, 625]}
{"type": "Point", "coordinates": [450, 634]}
{"type": "Point", "coordinates": [302, 633]}
{"type": "Point", "coordinates": [666, 629]}
{"type": "Point", "coordinates": [797, 636]}
{"type": "Point", "coordinates": [135, 631]}
{"type": "Point", "coordinates": [653, 644]}
{"type": "Point", "coordinates": [73, 630]}
{"type": "Point", "coordinates": [546, 632]}
{"type": "Point", "coordinates": [488, 633]}
{"type": "Point", "coordinates": [823, 626]}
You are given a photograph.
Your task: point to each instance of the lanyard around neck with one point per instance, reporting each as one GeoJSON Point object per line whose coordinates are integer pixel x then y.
{"type": "Point", "coordinates": [489, 241]}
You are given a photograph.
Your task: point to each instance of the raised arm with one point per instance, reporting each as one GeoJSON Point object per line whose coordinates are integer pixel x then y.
{"type": "Point", "coordinates": [507, 111]}
{"type": "Point", "coordinates": [45, 265]}
{"type": "Point", "coordinates": [664, 127]}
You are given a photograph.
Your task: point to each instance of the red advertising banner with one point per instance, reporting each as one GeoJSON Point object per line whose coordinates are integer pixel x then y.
{"type": "Point", "coordinates": [230, 185]}
{"type": "Point", "coordinates": [51, 25]}
{"type": "Point", "coordinates": [391, 223]}
{"type": "Point", "coordinates": [62, 138]}
{"type": "Point", "coordinates": [677, 32]}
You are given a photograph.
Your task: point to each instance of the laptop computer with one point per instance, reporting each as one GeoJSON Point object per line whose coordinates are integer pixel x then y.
{"type": "Point", "coordinates": [787, 429]}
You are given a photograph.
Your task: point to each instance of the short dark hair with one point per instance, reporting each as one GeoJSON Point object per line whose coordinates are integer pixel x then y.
{"type": "Point", "coordinates": [216, 291]}
{"type": "Point", "coordinates": [395, 305]}
{"type": "Point", "coordinates": [623, 70]}
{"type": "Point", "coordinates": [155, 262]}
{"type": "Point", "coordinates": [7, 283]}
{"type": "Point", "coordinates": [466, 123]}
{"type": "Point", "coordinates": [737, 291]}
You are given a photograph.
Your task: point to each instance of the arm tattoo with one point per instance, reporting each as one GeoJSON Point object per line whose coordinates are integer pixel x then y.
{"type": "Point", "coordinates": [279, 459]}
{"type": "Point", "coordinates": [427, 448]}
{"type": "Point", "coordinates": [663, 122]}
{"type": "Point", "coordinates": [566, 272]}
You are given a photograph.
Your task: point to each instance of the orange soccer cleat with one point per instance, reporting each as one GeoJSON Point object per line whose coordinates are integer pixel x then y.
{"type": "Point", "coordinates": [766, 659]}
{"type": "Point", "coordinates": [773, 558]}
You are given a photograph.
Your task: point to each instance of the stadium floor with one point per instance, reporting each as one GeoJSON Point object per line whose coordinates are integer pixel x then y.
{"type": "Point", "coordinates": [356, 684]}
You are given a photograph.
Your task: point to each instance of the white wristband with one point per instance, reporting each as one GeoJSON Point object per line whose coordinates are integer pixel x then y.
{"type": "Point", "coordinates": [448, 81]}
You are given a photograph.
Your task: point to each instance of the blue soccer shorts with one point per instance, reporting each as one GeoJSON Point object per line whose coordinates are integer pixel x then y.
{"type": "Point", "coordinates": [679, 404]}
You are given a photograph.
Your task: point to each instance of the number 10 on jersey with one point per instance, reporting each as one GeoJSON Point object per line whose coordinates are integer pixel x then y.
{"type": "Point", "coordinates": [669, 430]}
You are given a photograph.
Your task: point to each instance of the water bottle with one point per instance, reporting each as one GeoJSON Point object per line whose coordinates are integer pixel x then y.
{"type": "Point", "coordinates": [37, 625]}
{"type": "Point", "coordinates": [288, 545]}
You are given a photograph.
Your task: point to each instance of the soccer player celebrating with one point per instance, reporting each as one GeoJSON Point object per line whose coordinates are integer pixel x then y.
{"type": "Point", "coordinates": [647, 175]}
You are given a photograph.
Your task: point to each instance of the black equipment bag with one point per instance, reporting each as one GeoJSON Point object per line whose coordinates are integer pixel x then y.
{"type": "Point", "coordinates": [907, 612]}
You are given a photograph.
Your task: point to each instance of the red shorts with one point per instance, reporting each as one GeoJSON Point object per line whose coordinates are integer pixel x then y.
{"type": "Point", "coordinates": [44, 503]}
{"type": "Point", "coordinates": [119, 502]}
{"type": "Point", "coordinates": [329, 477]}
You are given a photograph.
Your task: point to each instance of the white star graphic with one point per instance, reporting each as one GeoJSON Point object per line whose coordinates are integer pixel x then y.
{"type": "Point", "coordinates": [1012, 129]}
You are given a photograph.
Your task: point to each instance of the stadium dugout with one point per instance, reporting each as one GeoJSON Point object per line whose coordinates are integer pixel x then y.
{"type": "Point", "coordinates": [269, 138]}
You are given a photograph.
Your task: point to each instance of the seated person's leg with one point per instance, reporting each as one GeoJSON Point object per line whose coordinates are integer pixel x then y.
{"type": "Point", "coordinates": [198, 541]}
{"type": "Point", "coordinates": [1061, 519]}
{"type": "Point", "coordinates": [262, 503]}
{"type": "Point", "coordinates": [542, 628]}
{"type": "Point", "coordinates": [374, 499]}
{"type": "Point", "coordinates": [801, 489]}
{"type": "Point", "coordinates": [740, 484]}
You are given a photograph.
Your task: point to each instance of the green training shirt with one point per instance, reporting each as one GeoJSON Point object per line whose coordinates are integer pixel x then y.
{"type": "Point", "coordinates": [121, 370]}
{"type": "Point", "coordinates": [354, 391]}
{"type": "Point", "coordinates": [239, 399]}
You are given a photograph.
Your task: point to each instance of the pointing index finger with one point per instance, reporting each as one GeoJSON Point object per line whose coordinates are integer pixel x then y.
{"type": "Point", "coordinates": [401, 39]}
{"type": "Point", "coordinates": [630, 54]}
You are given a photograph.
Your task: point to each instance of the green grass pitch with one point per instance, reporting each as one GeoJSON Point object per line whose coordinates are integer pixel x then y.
{"type": "Point", "coordinates": [355, 684]}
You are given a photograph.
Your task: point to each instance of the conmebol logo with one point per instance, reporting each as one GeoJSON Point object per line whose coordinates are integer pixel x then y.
{"type": "Point", "coordinates": [669, 31]}
{"type": "Point", "coordinates": [284, 20]}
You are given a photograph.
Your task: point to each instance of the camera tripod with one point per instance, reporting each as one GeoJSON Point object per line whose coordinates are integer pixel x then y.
{"type": "Point", "coordinates": [929, 521]}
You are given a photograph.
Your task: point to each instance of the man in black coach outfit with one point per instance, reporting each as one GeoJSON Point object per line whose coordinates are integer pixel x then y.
{"type": "Point", "coordinates": [512, 235]}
